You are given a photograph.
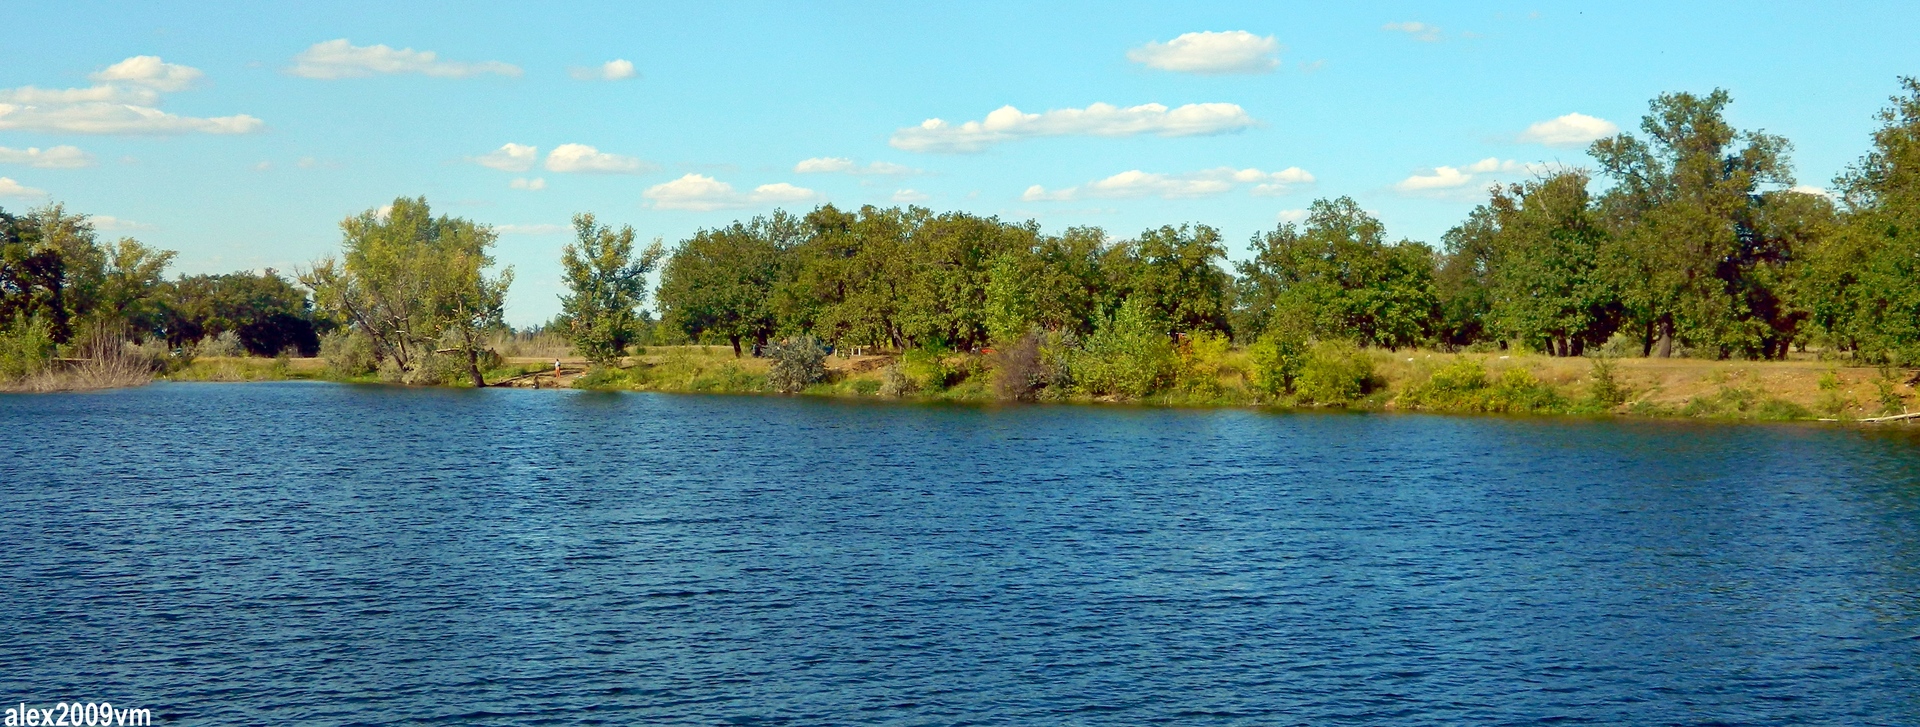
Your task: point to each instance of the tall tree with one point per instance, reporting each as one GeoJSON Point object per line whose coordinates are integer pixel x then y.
{"type": "Point", "coordinates": [1864, 286]}
{"type": "Point", "coordinates": [1547, 286]}
{"type": "Point", "coordinates": [606, 285]}
{"type": "Point", "coordinates": [723, 281]}
{"type": "Point", "coordinates": [1177, 271]}
{"type": "Point", "coordinates": [413, 282]}
{"type": "Point", "coordinates": [1689, 255]}
{"type": "Point", "coordinates": [1337, 276]}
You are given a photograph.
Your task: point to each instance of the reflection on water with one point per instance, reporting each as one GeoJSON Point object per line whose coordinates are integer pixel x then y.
{"type": "Point", "coordinates": [235, 554]}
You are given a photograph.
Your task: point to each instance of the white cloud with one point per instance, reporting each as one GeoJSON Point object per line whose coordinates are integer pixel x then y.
{"type": "Point", "coordinates": [1420, 31]}
{"type": "Point", "coordinates": [1234, 51]}
{"type": "Point", "coordinates": [510, 157]}
{"type": "Point", "coordinates": [35, 95]}
{"type": "Point", "coordinates": [532, 185]}
{"type": "Point", "coordinates": [841, 165]}
{"type": "Point", "coordinates": [1291, 215]}
{"type": "Point", "coordinates": [910, 196]}
{"type": "Point", "coordinates": [1569, 130]}
{"type": "Point", "coordinates": [10, 188]}
{"type": "Point", "coordinates": [59, 157]}
{"type": "Point", "coordinates": [1810, 189]}
{"type": "Point", "coordinates": [1444, 178]}
{"type": "Point", "coordinates": [1204, 183]}
{"type": "Point", "coordinates": [539, 229]}
{"type": "Point", "coordinates": [585, 159]}
{"type": "Point", "coordinates": [340, 59]}
{"type": "Point", "coordinates": [112, 118]}
{"type": "Point", "coordinates": [108, 222]}
{"type": "Point", "coordinates": [124, 104]}
{"type": "Point", "coordinates": [151, 72]}
{"type": "Point", "coordinates": [699, 192]}
{"type": "Point", "coordinates": [1008, 123]}
{"type": "Point", "coordinates": [613, 70]}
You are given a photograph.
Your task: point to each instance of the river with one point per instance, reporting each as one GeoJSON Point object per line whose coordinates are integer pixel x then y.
{"type": "Point", "coordinates": [273, 553]}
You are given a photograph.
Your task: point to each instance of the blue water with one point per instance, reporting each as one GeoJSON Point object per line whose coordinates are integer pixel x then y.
{"type": "Point", "coordinates": [265, 553]}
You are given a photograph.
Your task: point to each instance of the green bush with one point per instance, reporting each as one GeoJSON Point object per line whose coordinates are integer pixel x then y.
{"type": "Point", "coordinates": [1335, 373]}
{"type": "Point", "coordinates": [1735, 402]}
{"type": "Point", "coordinates": [796, 363]}
{"type": "Point", "coordinates": [1465, 386]}
{"type": "Point", "coordinates": [1203, 358]}
{"type": "Point", "coordinates": [348, 353]}
{"type": "Point", "coordinates": [1606, 391]}
{"type": "Point", "coordinates": [1276, 360]}
{"type": "Point", "coordinates": [1129, 355]}
{"type": "Point", "coordinates": [927, 369]}
{"type": "Point", "coordinates": [895, 383]}
{"type": "Point", "coordinates": [25, 348]}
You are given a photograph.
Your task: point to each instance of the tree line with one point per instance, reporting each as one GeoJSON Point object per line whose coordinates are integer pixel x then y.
{"type": "Point", "coordinates": [1686, 237]}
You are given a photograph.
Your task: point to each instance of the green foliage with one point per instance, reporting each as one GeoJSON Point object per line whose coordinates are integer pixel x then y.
{"type": "Point", "coordinates": [1546, 287]}
{"type": "Point", "coordinates": [1465, 386]}
{"type": "Point", "coordinates": [1736, 402]}
{"type": "Point", "coordinates": [1011, 313]}
{"type": "Point", "coordinates": [225, 344]}
{"type": "Point", "coordinates": [1203, 360]}
{"type": "Point", "coordinates": [411, 281]}
{"type": "Point", "coordinates": [723, 282]}
{"type": "Point", "coordinates": [1339, 278]}
{"type": "Point", "coordinates": [349, 353]}
{"type": "Point", "coordinates": [1863, 286]}
{"type": "Point", "coordinates": [1606, 391]}
{"type": "Point", "coordinates": [1129, 355]}
{"type": "Point", "coordinates": [26, 345]}
{"type": "Point", "coordinates": [895, 383]}
{"type": "Point", "coordinates": [1276, 360]}
{"type": "Point", "coordinates": [927, 369]}
{"type": "Point", "coordinates": [1886, 389]}
{"type": "Point", "coordinates": [1020, 369]}
{"type": "Point", "coordinates": [606, 285]}
{"type": "Point", "coordinates": [1336, 373]}
{"type": "Point", "coordinates": [1176, 272]}
{"type": "Point", "coordinates": [796, 363]}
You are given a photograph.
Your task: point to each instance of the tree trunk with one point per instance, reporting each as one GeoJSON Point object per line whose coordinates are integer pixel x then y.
{"type": "Point", "coordinates": [1666, 338]}
{"type": "Point", "coordinates": [473, 368]}
{"type": "Point", "coordinates": [735, 340]}
{"type": "Point", "coordinates": [1576, 347]}
{"type": "Point", "coordinates": [1646, 340]}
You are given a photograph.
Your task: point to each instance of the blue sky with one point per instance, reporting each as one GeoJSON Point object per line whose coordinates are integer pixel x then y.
{"type": "Point", "coordinates": [260, 126]}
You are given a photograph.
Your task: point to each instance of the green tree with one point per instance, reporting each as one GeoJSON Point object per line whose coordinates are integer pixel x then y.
{"type": "Point", "coordinates": [1463, 279]}
{"type": "Point", "coordinates": [1688, 252]}
{"type": "Point", "coordinates": [1177, 271]}
{"type": "Point", "coordinates": [1864, 286]}
{"type": "Point", "coordinates": [412, 282]}
{"type": "Point", "coordinates": [1547, 287]}
{"type": "Point", "coordinates": [606, 286]}
{"type": "Point", "coordinates": [723, 281]}
{"type": "Point", "coordinates": [1339, 278]}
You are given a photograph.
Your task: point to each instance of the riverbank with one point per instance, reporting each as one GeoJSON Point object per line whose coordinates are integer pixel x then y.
{"type": "Point", "coordinates": [1800, 389]}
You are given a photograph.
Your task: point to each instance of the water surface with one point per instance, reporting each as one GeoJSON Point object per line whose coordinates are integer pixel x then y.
{"type": "Point", "coordinates": [245, 554]}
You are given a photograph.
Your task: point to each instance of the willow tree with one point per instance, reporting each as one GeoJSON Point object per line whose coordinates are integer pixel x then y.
{"type": "Point", "coordinates": [606, 285]}
{"type": "Point", "coordinates": [416, 285]}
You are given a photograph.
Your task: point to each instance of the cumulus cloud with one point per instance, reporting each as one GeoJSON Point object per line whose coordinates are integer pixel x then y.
{"type": "Point", "coordinates": [533, 185]}
{"type": "Point", "coordinates": [1420, 31]}
{"type": "Point", "coordinates": [699, 192]}
{"type": "Point", "coordinates": [1443, 178]}
{"type": "Point", "coordinates": [1291, 216]}
{"type": "Point", "coordinates": [910, 196]}
{"type": "Point", "coordinates": [1008, 123]}
{"type": "Point", "coordinates": [1569, 130]}
{"type": "Point", "coordinates": [613, 70]}
{"type": "Point", "coordinates": [108, 222]}
{"type": "Point", "coordinates": [1204, 183]}
{"type": "Point", "coordinates": [340, 59]}
{"type": "Point", "coordinates": [151, 72]}
{"type": "Point", "coordinates": [110, 118]}
{"type": "Point", "coordinates": [59, 157]}
{"type": "Point", "coordinates": [588, 160]}
{"type": "Point", "coordinates": [510, 157]}
{"type": "Point", "coordinates": [840, 165]}
{"type": "Point", "coordinates": [10, 188]}
{"type": "Point", "coordinates": [1233, 51]}
{"type": "Point", "coordinates": [125, 103]}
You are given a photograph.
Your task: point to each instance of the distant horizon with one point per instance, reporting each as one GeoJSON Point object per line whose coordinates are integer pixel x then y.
{"type": "Point", "coordinates": [240, 136]}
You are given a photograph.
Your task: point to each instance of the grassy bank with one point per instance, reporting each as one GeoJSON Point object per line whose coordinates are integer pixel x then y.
{"type": "Point", "coordinates": [1806, 389]}
{"type": "Point", "coordinates": [1799, 389]}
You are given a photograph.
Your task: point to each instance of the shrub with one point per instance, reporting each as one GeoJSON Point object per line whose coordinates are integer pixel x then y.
{"type": "Point", "coordinates": [1019, 371]}
{"type": "Point", "coordinates": [1887, 391]}
{"type": "Point", "coordinates": [1128, 355]}
{"type": "Point", "coordinates": [1276, 360]}
{"type": "Point", "coordinates": [1735, 402]}
{"type": "Point", "coordinates": [796, 363]}
{"type": "Point", "coordinates": [348, 353]}
{"type": "Point", "coordinates": [895, 383]}
{"type": "Point", "coordinates": [25, 348]}
{"type": "Point", "coordinates": [1606, 389]}
{"type": "Point", "coordinates": [224, 344]}
{"type": "Point", "coordinates": [927, 368]}
{"type": "Point", "coordinates": [1465, 386]}
{"type": "Point", "coordinates": [1203, 358]}
{"type": "Point", "coordinates": [1335, 373]}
